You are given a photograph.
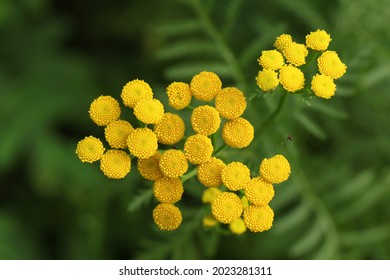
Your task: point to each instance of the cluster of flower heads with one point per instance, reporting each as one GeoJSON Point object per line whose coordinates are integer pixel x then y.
{"type": "Point", "coordinates": [155, 145]}
{"type": "Point", "coordinates": [284, 64]}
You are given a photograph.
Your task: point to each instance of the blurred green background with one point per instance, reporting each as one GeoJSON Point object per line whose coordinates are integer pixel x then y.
{"type": "Point", "coordinates": [57, 56]}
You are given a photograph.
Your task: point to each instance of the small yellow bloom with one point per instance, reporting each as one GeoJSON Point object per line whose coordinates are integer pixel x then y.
{"type": "Point", "coordinates": [198, 148]}
{"type": "Point", "coordinates": [205, 86]}
{"type": "Point", "coordinates": [226, 207]}
{"type": "Point", "coordinates": [230, 102]}
{"type": "Point", "coordinates": [170, 129]}
{"type": "Point", "coordinates": [272, 60]}
{"type": "Point", "coordinates": [267, 80]}
{"type": "Point", "coordinates": [238, 226]}
{"type": "Point", "coordinates": [258, 218]}
{"type": "Point", "coordinates": [173, 163]}
{"type": "Point", "coordinates": [318, 40]}
{"type": "Point", "coordinates": [245, 202]}
{"type": "Point", "coordinates": [116, 133]}
{"type": "Point", "coordinates": [259, 192]}
{"type": "Point", "coordinates": [179, 95]}
{"type": "Point", "coordinates": [149, 168]}
{"type": "Point", "coordinates": [209, 194]}
{"type": "Point", "coordinates": [209, 221]}
{"type": "Point", "coordinates": [115, 164]}
{"type": "Point", "coordinates": [282, 41]}
{"type": "Point", "coordinates": [142, 143]}
{"type": "Point", "coordinates": [149, 111]}
{"type": "Point", "coordinates": [275, 170]}
{"type": "Point", "coordinates": [330, 64]}
{"type": "Point", "coordinates": [168, 190]}
{"type": "Point", "coordinates": [323, 86]}
{"type": "Point", "coordinates": [205, 120]}
{"type": "Point", "coordinates": [167, 216]}
{"type": "Point", "coordinates": [238, 133]}
{"type": "Point", "coordinates": [209, 172]}
{"type": "Point", "coordinates": [90, 149]}
{"type": "Point", "coordinates": [295, 53]}
{"type": "Point", "coordinates": [135, 91]}
{"type": "Point", "coordinates": [235, 176]}
{"type": "Point", "coordinates": [104, 110]}
{"type": "Point", "coordinates": [291, 78]}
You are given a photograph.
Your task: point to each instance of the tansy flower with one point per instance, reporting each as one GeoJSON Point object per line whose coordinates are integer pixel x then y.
{"type": "Point", "coordinates": [115, 164]}
{"type": "Point", "coordinates": [209, 194]}
{"type": "Point", "coordinates": [179, 95]}
{"type": "Point", "coordinates": [291, 78]}
{"type": "Point", "coordinates": [245, 202]}
{"type": "Point", "coordinates": [237, 133]}
{"type": "Point", "coordinates": [258, 218]}
{"type": "Point", "coordinates": [282, 41]}
{"type": "Point", "coordinates": [209, 172]}
{"type": "Point", "coordinates": [235, 176]}
{"type": "Point", "coordinates": [238, 226]}
{"type": "Point", "coordinates": [205, 120]}
{"type": "Point", "coordinates": [173, 163]}
{"type": "Point", "coordinates": [323, 86]}
{"type": "Point", "coordinates": [148, 168]}
{"type": "Point", "coordinates": [135, 91]}
{"type": "Point", "coordinates": [230, 102]}
{"type": "Point", "coordinates": [90, 149]}
{"type": "Point", "coordinates": [104, 110]}
{"type": "Point", "coordinates": [168, 190]}
{"type": "Point", "coordinates": [149, 111]}
{"type": "Point", "coordinates": [267, 80]}
{"type": "Point", "coordinates": [275, 169]}
{"type": "Point", "coordinates": [295, 53]}
{"type": "Point", "coordinates": [330, 64]}
{"type": "Point", "coordinates": [167, 216]}
{"type": "Point", "coordinates": [259, 192]}
{"type": "Point", "coordinates": [209, 221]}
{"type": "Point", "coordinates": [116, 133]}
{"type": "Point", "coordinates": [142, 143]}
{"type": "Point", "coordinates": [226, 207]}
{"type": "Point", "coordinates": [205, 85]}
{"type": "Point", "coordinates": [170, 129]}
{"type": "Point", "coordinates": [272, 60]}
{"type": "Point", "coordinates": [198, 148]}
{"type": "Point", "coordinates": [318, 40]}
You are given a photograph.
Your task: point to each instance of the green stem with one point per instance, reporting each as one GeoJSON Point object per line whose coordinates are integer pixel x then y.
{"type": "Point", "coordinates": [274, 115]}
{"type": "Point", "coordinates": [313, 57]}
{"type": "Point", "coordinates": [223, 146]}
{"type": "Point", "coordinates": [189, 175]}
{"type": "Point", "coordinates": [190, 107]}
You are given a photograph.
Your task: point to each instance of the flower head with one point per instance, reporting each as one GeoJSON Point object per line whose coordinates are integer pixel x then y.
{"type": "Point", "coordinates": [226, 207]}
{"type": "Point", "coordinates": [209, 172]}
{"type": "Point", "coordinates": [235, 176]}
{"type": "Point", "coordinates": [330, 64]}
{"type": "Point", "coordinates": [135, 91]}
{"type": "Point", "coordinates": [198, 148]}
{"type": "Point", "coordinates": [323, 86]}
{"type": "Point", "coordinates": [104, 110]}
{"type": "Point", "coordinates": [295, 53]}
{"type": "Point", "coordinates": [149, 111]}
{"type": "Point", "coordinates": [115, 164]}
{"type": "Point", "coordinates": [205, 85]}
{"type": "Point", "coordinates": [259, 192]}
{"type": "Point", "coordinates": [168, 190]}
{"type": "Point", "coordinates": [282, 41]}
{"type": "Point", "coordinates": [318, 40]}
{"type": "Point", "coordinates": [267, 80]}
{"type": "Point", "coordinates": [238, 226]}
{"type": "Point", "coordinates": [90, 149]}
{"type": "Point", "coordinates": [230, 102]}
{"type": "Point", "coordinates": [173, 163]}
{"type": "Point", "coordinates": [245, 202]}
{"type": "Point", "coordinates": [209, 221]}
{"type": "Point", "coordinates": [142, 143]}
{"type": "Point", "coordinates": [116, 133]}
{"type": "Point", "coordinates": [179, 95]}
{"type": "Point", "coordinates": [258, 218]}
{"type": "Point", "coordinates": [209, 194]}
{"type": "Point", "coordinates": [291, 78]}
{"type": "Point", "coordinates": [167, 216]}
{"type": "Point", "coordinates": [170, 129]}
{"type": "Point", "coordinates": [237, 133]}
{"type": "Point", "coordinates": [272, 60]}
{"type": "Point", "coordinates": [148, 168]}
{"type": "Point", "coordinates": [275, 170]}
{"type": "Point", "coordinates": [205, 120]}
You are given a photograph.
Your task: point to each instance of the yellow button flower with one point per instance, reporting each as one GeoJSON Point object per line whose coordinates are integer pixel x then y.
{"type": "Point", "coordinates": [168, 190]}
{"type": "Point", "coordinates": [267, 80]}
{"type": "Point", "coordinates": [90, 149]}
{"type": "Point", "coordinates": [238, 133]}
{"type": "Point", "coordinates": [205, 86]}
{"type": "Point", "coordinates": [330, 64]}
{"type": "Point", "coordinates": [272, 60]}
{"type": "Point", "coordinates": [115, 164]}
{"type": "Point", "coordinates": [238, 227]}
{"type": "Point", "coordinates": [205, 120]}
{"type": "Point", "coordinates": [323, 86]}
{"type": "Point", "coordinates": [318, 40]}
{"type": "Point", "coordinates": [258, 218]}
{"type": "Point", "coordinates": [142, 143]}
{"type": "Point", "coordinates": [230, 102]}
{"type": "Point", "coordinates": [235, 176]}
{"type": "Point", "coordinates": [209, 172]}
{"type": "Point", "coordinates": [209, 221]}
{"type": "Point", "coordinates": [282, 41]}
{"type": "Point", "coordinates": [173, 163]}
{"type": "Point", "coordinates": [259, 192]}
{"type": "Point", "coordinates": [245, 202]}
{"type": "Point", "coordinates": [135, 91]}
{"type": "Point", "coordinates": [170, 129]}
{"type": "Point", "coordinates": [291, 78]}
{"type": "Point", "coordinates": [149, 111]}
{"type": "Point", "coordinates": [167, 216]}
{"type": "Point", "coordinates": [226, 207]}
{"type": "Point", "coordinates": [295, 53]}
{"type": "Point", "coordinates": [104, 110]}
{"type": "Point", "coordinates": [275, 170]}
{"type": "Point", "coordinates": [116, 133]}
{"type": "Point", "coordinates": [198, 148]}
{"type": "Point", "coordinates": [209, 194]}
{"type": "Point", "coordinates": [149, 168]}
{"type": "Point", "coordinates": [179, 95]}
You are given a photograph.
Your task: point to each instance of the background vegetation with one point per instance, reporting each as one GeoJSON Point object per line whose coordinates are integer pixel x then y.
{"type": "Point", "coordinates": [57, 56]}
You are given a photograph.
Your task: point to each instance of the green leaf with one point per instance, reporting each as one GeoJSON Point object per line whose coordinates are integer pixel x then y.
{"type": "Point", "coordinates": [311, 126]}
{"type": "Point", "coordinates": [142, 198]}
{"type": "Point", "coordinates": [294, 218]}
{"type": "Point", "coordinates": [308, 241]}
{"type": "Point", "coordinates": [328, 109]}
{"type": "Point", "coordinates": [366, 236]}
{"type": "Point", "coordinates": [178, 28]}
{"type": "Point", "coordinates": [186, 48]}
{"type": "Point", "coordinates": [185, 71]}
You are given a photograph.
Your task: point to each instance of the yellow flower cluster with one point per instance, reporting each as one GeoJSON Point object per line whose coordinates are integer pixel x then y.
{"type": "Point", "coordinates": [285, 65]}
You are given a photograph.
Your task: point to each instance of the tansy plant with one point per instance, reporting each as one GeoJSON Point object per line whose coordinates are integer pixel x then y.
{"type": "Point", "coordinates": [168, 153]}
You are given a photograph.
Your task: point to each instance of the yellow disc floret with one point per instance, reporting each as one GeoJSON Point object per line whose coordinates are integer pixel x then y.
{"type": "Point", "coordinates": [148, 168]}
{"type": "Point", "coordinates": [149, 111]}
{"type": "Point", "coordinates": [237, 133]}
{"type": "Point", "coordinates": [198, 148]}
{"type": "Point", "coordinates": [90, 149]}
{"type": "Point", "coordinates": [167, 216]}
{"type": "Point", "coordinates": [291, 78]}
{"type": "Point", "coordinates": [173, 163]}
{"type": "Point", "coordinates": [282, 41]}
{"type": "Point", "coordinates": [323, 86]}
{"type": "Point", "coordinates": [209, 172]}
{"type": "Point", "coordinates": [230, 103]}
{"type": "Point", "coordinates": [267, 80]}
{"type": "Point", "coordinates": [258, 218]}
{"type": "Point", "coordinates": [168, 190]}
{"type": "Point", "coordinates": [209, 194]}
{"type": "Point", "coordinates": [104, 110]}
{"type": "Point", "coordinates": [272, 60]}
{"type": "Point", "coordinates": [235, 176]}
{"type": "Point", "coordinates": [135, 91]}
{"type": "Point", "coordinates": [259, 192]}
{"type": "Point", "coordinates": [330, 64]}
{"type": "Point", "coordinates": [205, 120]}
{"type": "Point", "coordinates": [226, 207]}
{"type": "Point", "coordinates": [275, 170]}
{"type": "Point", "coordinates": [295, 53]}
{"type": "Point", "coordinates": [318, 40]}
{"type": "Point", "coordinates": [238, 226]}
{"type": "Point", "coordinates": [116, 133]}
{"type": "Point", "coordinates": [205, 86]}
{"type": "Point", "coordinates": [179, 95]}
{"type": "Point", "coordinates": [115, 164]}
{"type": "Point", "coordinates": [170, 129]}
{"type": "Point", "coordinates": [142, 143]}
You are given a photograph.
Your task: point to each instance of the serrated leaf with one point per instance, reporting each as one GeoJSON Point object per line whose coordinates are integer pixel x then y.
{"type": "Point", "coordinates": [308, 240]}
{"type": "Point", "coordinates": [178, 28]}
{"type": "Point", "coordinates": [376, 76]}
{"type": "Point", "coordinates": [186, 48]}
{"type": "Point", "coordinates": [311, 126]}
{"type": "Point", "coordinates": [365, 236]}
{"type": "Point", "coordinates": [329, 110]}
{"type": "Point", "coordinates": [142, 198]}
{"type": "Point", "coordinates": [294, 218]}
